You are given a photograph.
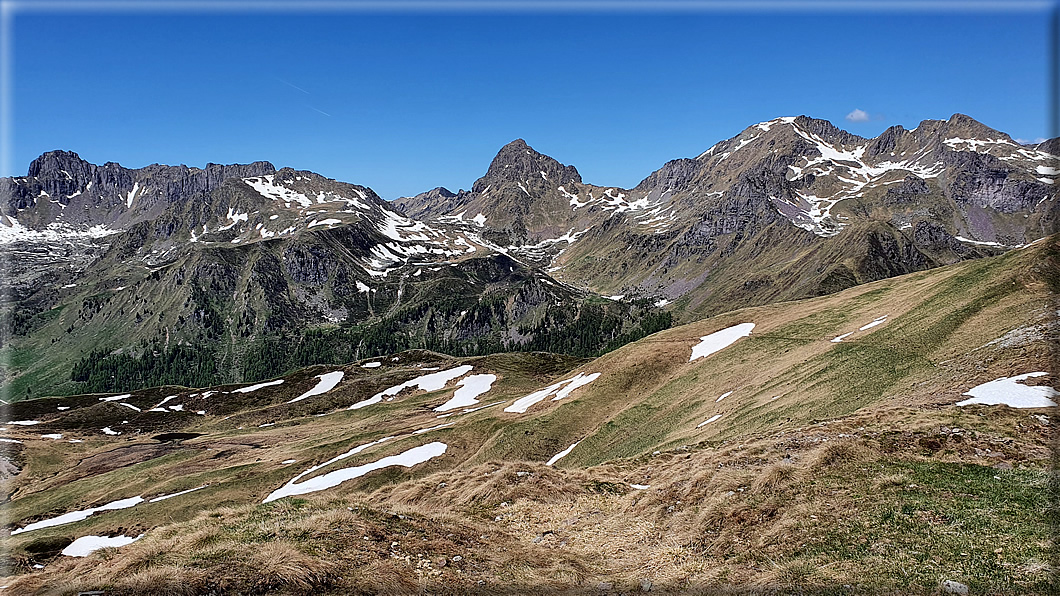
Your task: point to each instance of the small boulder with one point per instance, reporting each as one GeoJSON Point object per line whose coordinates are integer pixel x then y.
{"type": "Point", "coordinates": [954, 587]}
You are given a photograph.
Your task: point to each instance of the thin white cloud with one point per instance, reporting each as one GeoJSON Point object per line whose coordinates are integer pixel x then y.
{"type": "Point", "coordinates": [1030, 141]}
{"type": "Point", "coordinates": [858, 116]}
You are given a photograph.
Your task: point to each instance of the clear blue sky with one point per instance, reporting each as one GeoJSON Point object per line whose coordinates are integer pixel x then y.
{"type": "Point", "coordinates": [408, 101]}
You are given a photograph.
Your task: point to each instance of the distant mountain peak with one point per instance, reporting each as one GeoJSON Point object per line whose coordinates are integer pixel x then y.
{"type": "Point", "coordinates": [517, 162]}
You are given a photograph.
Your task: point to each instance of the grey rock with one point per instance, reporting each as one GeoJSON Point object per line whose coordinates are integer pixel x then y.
{"type": "Point", "coordinates": [954, 587]}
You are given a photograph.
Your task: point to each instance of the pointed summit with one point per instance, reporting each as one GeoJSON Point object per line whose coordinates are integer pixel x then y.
{"type": "Point", "coordinates": [518, 162]}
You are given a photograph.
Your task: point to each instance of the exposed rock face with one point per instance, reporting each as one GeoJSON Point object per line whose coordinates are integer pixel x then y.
{"type": "Point", "coordinates": [676, 173]}
{"type": "Point", "coordinates": [982, 180]}
{"type": "Point", "coordinates": [934, 237]}
{"type": "Point", "coordinates": [907, 192]}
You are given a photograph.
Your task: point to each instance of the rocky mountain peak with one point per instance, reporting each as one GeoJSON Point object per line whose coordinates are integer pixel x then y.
{"type": "Point", "coordinates": [959, 126]}
{"type": "Point", "coordinates": [887, 141]}
{"type": "Point", "coordinates": [438, 198]}
{"type": "Point", "coordinates": [518, 162]}
{"type": "Point", "coordinates": [967, 127]}
{"type": "Point", "coordinates": [827, 131]}
{"type": "Point", "coordinates": [54, 163]}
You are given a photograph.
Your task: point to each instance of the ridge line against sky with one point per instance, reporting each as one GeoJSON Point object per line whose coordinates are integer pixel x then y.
{"type": "Point", "coordinates": [404, 99]}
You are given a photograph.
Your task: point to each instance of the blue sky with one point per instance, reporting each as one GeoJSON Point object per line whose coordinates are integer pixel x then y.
{"type": "Point", "coordinates": [408, 101]}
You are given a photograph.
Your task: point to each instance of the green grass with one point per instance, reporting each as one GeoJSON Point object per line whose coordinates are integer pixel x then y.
{"type": "Point", "coordinates": [964, 522]}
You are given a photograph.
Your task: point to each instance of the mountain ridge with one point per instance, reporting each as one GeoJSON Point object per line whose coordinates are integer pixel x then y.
{"type": "Point", "coordinates": [284, 267]}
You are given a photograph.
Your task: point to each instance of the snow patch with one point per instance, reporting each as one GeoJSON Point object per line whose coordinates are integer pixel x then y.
{"type": "Point", "coordinates": [1011, 392]}
{"type": "Point", "coordinates": [183, 492]}
{"type": "Point", "coordinates": [76, 516]}
{"type": "Point", "coordinates": [427, 430]}
{"type": "Point", "coordinates": [252, 388]}
{"type": "Point", "coordinates": [970, 241]}
{"type": "Point", "coordinates": [431, 382]}
{"type": "Point", "coordinates": [86, 545]}
{"type": "Point", "coordinates": [713, 418]}
{"type": "Point", "coordinates": [720, 340]}
{"type": "Point", "coordinates": [327, 383]}
{"type": "Point", "coordinates": [561, 454]}
{"type": "Point", "coordinates": [876, 321]}
{"type": "Point", "coordinates": [266, 187]}
{"type": "Point", "coordinates": [470, 388]}
{"type": "Point", "coordinates": [132, 195]}
{"type": "Point", "coordinates": [522, 404]}
{"type": "Point", "coordinates": [409, 458]}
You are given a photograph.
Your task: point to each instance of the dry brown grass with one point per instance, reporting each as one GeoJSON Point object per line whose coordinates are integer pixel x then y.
{"type": "Point", "coordinates": [729, 516]}
{"type": "Point", "coordinates": [487, 484]}
{"type": "Point", "coordinates": [838, 451]}
{"type": "Point", "coordinates": [281, 564]}
{"type": "Point", "coordinates": [890, 480]}
{"type": "Point", "coordinates": [774, 477]}
{"type": "Point", "coordinates": [165, 580]}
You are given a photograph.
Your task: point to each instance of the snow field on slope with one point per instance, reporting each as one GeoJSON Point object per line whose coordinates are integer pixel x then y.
{"type": "Point", "coordinates": [713, 418]}
{"type": "Point", "coordinates": [561, 454]}
{"type": "Point", "coordinates": [408, 458]}
{"type": "Point", "coordinates": [76, 516]}
{"type": "Point", "coordinates": [327, 383]}
{"type": "Point", "coordinates": [468, 392]}
{"type": "Point", "coordinates": [252, 388]}
{"type": "Point", "coordinates": [720, 340]}
{"type": "Point", "coordinates": [430, 382]}
{"type": "Point", "coordinates": [1011, 392]}
{"type": "Point", "coordinates": [86, 545]}
{"type": "Point", "coordinates": [877, 321]}
{"type": "Point", "coordinates": [522, 404]}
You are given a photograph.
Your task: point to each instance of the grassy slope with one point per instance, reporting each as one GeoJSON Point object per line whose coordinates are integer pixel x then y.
{"type": "Point", "coordinates": [893, 506]}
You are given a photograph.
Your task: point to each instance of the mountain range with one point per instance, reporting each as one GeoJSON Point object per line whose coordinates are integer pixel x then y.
{"type": "Point", "coordinates": [194, 276]}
